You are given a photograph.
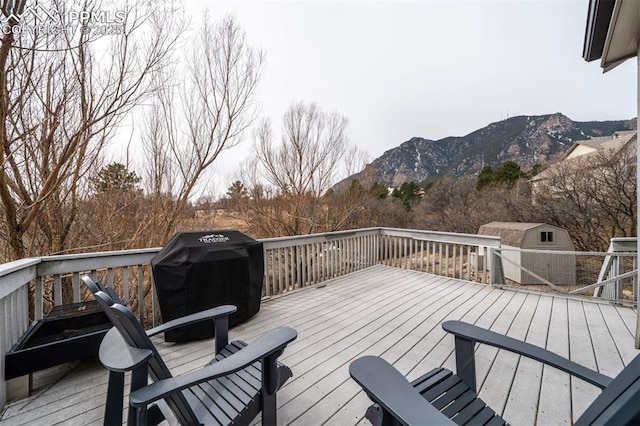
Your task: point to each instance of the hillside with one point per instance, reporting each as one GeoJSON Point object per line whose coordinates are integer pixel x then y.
{"type": "Point", "coordinates": [527, 140]}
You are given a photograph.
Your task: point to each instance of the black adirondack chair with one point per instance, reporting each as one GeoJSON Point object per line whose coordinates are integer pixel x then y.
{"type": "Point", "coordinates": [240, 381]}
{"type": "Point", "coordinates": [96, 286]}
{"type": "Point", "coordinates": [441, 397]}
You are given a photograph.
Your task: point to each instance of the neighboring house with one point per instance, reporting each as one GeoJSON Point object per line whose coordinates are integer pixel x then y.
{"type": "Point", "coordinates": [517, 238]}
{"type": "Point", "coordinates": [613, 36]}
{"type": "Point", "coordinates": [617, 143]}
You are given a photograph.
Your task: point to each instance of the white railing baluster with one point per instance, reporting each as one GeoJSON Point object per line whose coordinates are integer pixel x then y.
{"type": "Point", "coordinates": [446, 260]}
{"type": "Point", "coordinates": [336, 258]}
{"type": "Point", "coordinates": [75, 283]}
{"type": "Point", "coordinates": [321, 260]}
{"type": "Point", "coordinates": [57, 290]}
{"type": "Point", "coordinates": [267, 274]}
{"type": "Point", "coordinates": [287, 274]}
{"type": "Point", "coordinates": [274, 272]}
{"type": "Point", "coordinates": [301, 265]}
{"type": "Point", "coordinates": [39, 299]}
{"type": "Point", "coordinates": [469, 263]}
{"type": "Point", "coordinates": [461, 276]}
{"type": "Point", "coordinates": [125, 285]}
{"type": "Point", "coordinates": [110, 277]}
{"type": "Point", "coordinates": [140, 294]}
{"type": "Point", "coordinates": [154, 302]}
{"type": "Point", "coordinates": [453, 260]}
{"type": "Point", "coordinates": [279, 269]}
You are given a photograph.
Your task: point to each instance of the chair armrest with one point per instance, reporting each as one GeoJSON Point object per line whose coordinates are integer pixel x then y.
{"type": "Point", "coordinates": [269, 343]}
{"type": "Point", "coordinates": [391, 390]}
{"type": "Point", "coordinates": [116, 355]}
{"type": "Point", "coordinates": [213, 313]}
{"type": "Point", "coordinates": [474, 334]}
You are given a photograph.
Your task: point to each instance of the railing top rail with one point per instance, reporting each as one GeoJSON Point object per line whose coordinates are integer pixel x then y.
{"type": "Point", "coordinates": [62, 257]}
{"type": "Point", "coordinates": [551, 251]}
{"type": "Point", "coordinates": [444, 237]}
{"type": "Point", "coordinates": [625, 239]}
{"type": "Point", "coordinates": [17, 265]}
{"type": "Point", "coordinates": [280, 242]}
{"type": "Point", "coordinates": [13, 275]}
{"type": "Point", "coordinates": [68, 263]}
{"type": "Point", "coordinates": [623, 244]}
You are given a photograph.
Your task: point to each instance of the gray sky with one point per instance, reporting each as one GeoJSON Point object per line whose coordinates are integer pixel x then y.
{"type": "Point", "coordinates": [427, 68]}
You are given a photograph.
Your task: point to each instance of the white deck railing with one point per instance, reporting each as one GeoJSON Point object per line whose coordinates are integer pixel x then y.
{"type": "Point", "coordinates": [296, 262]}
{"type": "Point", "coordinates": [29, 288]}
{"type": "Point", "coordinates": [620, 262]}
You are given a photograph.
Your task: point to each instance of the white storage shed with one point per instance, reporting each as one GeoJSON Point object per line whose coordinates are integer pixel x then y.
{"type": "Point", "coordinates": [524, 261]}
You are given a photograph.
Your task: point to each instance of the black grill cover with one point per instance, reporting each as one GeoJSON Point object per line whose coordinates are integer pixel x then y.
{"type": "Point", "coordinates": [200, 270]}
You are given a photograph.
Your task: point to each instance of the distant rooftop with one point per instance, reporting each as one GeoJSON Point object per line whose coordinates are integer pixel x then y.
{"type": "Point", "coordinates": [614, 141]}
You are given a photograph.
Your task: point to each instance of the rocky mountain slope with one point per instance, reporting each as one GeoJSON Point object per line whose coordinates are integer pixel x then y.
{"type": "Point", "coordinates": [527, 140]}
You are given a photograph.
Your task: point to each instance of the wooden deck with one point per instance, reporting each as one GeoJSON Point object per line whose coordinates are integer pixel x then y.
{"type": "Point", "coordinates": [397, 314]}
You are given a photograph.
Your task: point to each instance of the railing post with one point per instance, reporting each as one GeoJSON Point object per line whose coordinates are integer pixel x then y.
{"type": "Point", "coordinates": [496, 273]}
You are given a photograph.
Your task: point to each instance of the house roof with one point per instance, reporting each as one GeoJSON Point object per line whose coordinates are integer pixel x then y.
{"type": "Point", "coordinates": [612, 32]}
{"type": "Point", "coordinates": [614, 142]}
{"type": "Point", "coordinates": [511, 233]}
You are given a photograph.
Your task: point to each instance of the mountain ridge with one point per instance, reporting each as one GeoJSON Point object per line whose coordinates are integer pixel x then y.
{"type": "Point", "coordinates": [525, 139]}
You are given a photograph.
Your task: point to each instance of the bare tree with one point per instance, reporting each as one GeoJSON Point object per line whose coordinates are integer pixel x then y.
{"type": "Point", "coordinates": [289, 180]}
{"type": "Point", "coordinates": [593, 197]}
{"type": "Point", "coordinates": [194, 118]}
{"type": "Point", "coordinates": [61, 98]}
{"type": "Point", "coordinates": [450, 205]}
{"type": "Point", "coordinates": [313, 143]}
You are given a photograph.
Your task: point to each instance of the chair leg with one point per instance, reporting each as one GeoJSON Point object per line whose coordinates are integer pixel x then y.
{"type": "Point", "coordinates": [115, 394]}
{"type": "Point", "coordinates": [141, 416]}
{"type": "Point", "coordinates": [269, 417]}
{"type": "Point", "coordinates": [138, 379]}
{"type": "Point", "coordinates": [269, 389]}
{"type": "Point", "coordinates": [154, 415]}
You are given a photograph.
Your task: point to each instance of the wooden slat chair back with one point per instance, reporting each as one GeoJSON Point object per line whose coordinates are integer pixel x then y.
{"type": "Point", "coordinates": [96, 286]}
{"type": "Point", "coordinates": [247, 375]}
{"type": "Point", "coordinates": [442, 397]}
{"type": "Point", "coordinates": [134, 335]}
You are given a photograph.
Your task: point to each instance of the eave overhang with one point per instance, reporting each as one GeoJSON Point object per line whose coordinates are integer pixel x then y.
{"type": "Point", "coordinates": [612, 32]}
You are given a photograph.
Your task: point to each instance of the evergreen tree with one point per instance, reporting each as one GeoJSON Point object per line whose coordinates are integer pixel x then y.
{"type": "Point", "coordinates": [237, 191]}
{"type": "Point", "coordinates": [407, 193]}
{"type": "Point", "coordinates": [485, 178]}
{"type": "Point", "coordinates": [508, 173]}
{"type": "Point", "coordinates": [115, 177]}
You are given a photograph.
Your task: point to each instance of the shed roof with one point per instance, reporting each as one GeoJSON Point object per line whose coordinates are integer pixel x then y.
{"type": "Point", "coordinates": [511, 233]}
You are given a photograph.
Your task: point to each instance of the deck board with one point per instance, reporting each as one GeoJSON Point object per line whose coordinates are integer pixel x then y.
{"type": "Point", "coordinates": [524, 393]}
{"type": "Point", "coordinates": [580, 350]}
{"type": "Point", "coordinates": [555, 407]}
{"type": "Point", "coordinates": [396, 314]}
